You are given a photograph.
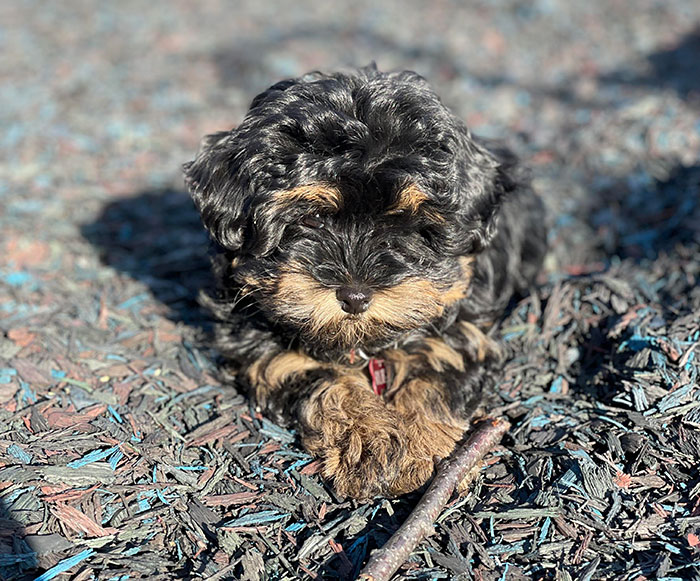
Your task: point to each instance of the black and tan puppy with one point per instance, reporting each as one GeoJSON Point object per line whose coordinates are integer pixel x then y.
{"type": "Point", "coordinates": [365, 243]}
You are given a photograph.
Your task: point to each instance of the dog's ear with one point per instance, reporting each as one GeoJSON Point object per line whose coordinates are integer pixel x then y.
{"type": "Point", "coordinates": [488, 176]}
{"type": "Point", "coordinates": [216, 190]}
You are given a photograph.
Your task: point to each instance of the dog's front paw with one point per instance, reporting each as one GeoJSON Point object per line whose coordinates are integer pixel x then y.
{"type": "Point", "coordinates": [358, 438]}
{"type": "Point", "coordinates": [365, 462]}
{"type": "Point", "coordinates": [430, 429]}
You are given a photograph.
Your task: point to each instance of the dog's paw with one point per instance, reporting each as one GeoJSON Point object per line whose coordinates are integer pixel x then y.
{"type": "Point", "coordinates": [371, 448]}
{"type": "Point", "coordinates": [365, 462]}
{"type": "Point", "coordinates": [357, 436]}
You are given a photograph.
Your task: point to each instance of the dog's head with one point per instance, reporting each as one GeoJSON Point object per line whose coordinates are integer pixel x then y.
{"type": "Point", "coordinates": [349, 205]}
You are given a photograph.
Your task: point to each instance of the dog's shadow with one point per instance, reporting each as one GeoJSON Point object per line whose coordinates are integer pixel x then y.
{"type": "Point", "coordinates": [156, 237]}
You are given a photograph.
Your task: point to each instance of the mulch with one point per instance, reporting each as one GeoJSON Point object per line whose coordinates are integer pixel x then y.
{"type": "Point", "coordinates": [122, 453]}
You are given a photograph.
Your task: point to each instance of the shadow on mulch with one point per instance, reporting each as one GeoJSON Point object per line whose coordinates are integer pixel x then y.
{"type": "Point", "coordinates": [655, 226]}
{"type": "Point", "coordinates": [156, 237]}
{"type": "Point", "coordinates": [674, 68]}
{"type": "Point", "coordinates": [16, 555]}
{"type": "Point", "coordinates": [645, 217]}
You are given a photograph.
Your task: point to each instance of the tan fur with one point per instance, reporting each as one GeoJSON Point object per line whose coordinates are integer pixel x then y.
{"type": "Point", "coordinates": [409, 304]}
{"type": "Point", "coordinates": [458, 290]}
{"type": "Point", "coordinates": [250, 284]}
{"type": "Point", "coordinates": [440, 355]}
{"type": "Point", "coordinates": [410, 300]}
{"type": "Point", "coordinates": [267, 375]}
{"type": "Point", "coordinates": [256, 371]}
{"type": "Point", "coordinates": [371, 444]}
{"type": "Point", "coordinates": [306, 301]}
{"type": "Point", "coordinates": [354, 433]}
{"type": "Point", "coordinates": [429, 429]}
{"type": "Point", "coordinates": [485, 346]}
{"type": "Point", "coordinates": [401, 364]}
{"type": "Point", "coordinates": [321, 195]}
{"type": "Point", "coordinates": [410, 200]}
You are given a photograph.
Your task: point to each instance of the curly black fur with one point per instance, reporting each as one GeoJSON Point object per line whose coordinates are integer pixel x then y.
{"type": "Point", "coordinates": [369, 138]}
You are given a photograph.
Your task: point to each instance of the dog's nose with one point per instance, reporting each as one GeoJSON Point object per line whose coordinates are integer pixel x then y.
{"type": "Point", "coordinates": [354, 300]}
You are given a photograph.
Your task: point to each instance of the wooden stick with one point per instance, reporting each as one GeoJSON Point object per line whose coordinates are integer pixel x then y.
{"type": "Point", "coordinates": [384, 562]}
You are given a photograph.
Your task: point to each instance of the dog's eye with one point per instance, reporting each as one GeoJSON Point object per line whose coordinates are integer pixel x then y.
{"type": "Point", "coordinates": [428, 235]}
{"type": "Point", "coordinates": [313, 221]}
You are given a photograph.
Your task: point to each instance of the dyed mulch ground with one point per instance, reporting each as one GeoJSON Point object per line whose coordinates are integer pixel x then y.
{"type": "Point", "coordinates": [122, 456]}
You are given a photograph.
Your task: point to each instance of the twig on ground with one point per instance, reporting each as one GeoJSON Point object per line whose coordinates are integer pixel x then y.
{"type": "Point", "coordinates": [385, 561]}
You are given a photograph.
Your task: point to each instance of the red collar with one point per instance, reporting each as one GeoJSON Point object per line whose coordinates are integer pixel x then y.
{"type": "Point", "coordinates": [377, 368]}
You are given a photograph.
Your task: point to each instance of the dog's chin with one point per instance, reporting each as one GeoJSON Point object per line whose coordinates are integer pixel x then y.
{"type": "Point", "coordinates": [353, 332]}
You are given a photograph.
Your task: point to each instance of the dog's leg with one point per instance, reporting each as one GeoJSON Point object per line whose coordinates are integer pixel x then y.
{"type": "Point", "coordinates": [372, 445]}
{"type": "Point", "coordinates": [359, 438]}
{"type": "Point", "coordinates": [429, 429]}
{"type": "Point", "coordinates": [437, 389]}
{"type": "Point", "coordinates": [342, 421]}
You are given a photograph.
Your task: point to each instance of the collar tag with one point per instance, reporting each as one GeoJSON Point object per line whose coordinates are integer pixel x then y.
{"type": "Point", "coordinates": [357, 355]}
{"type": "Point", "coordinates": [378, 373]}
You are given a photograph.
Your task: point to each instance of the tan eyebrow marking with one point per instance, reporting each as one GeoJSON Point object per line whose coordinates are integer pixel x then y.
{"type": "Point", "coordinates": [409, 200]}
{"type": "Point", "coordinates": [319, 194]}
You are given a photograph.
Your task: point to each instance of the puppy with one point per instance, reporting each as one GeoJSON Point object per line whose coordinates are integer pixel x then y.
{"type": "Point", "coordinates": [365, 242]}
